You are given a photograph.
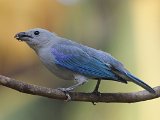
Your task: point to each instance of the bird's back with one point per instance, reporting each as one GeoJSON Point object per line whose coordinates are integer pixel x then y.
{"type": "Point", "coordinates": [97, 54]}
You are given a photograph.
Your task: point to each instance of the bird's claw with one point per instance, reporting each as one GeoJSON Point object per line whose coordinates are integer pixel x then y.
{"type": "Point", "coordinates": [66, 91]}
{"type": "Point", "coordinates": [68, 97]}
{"type": "Point", "coordinates": [98, 94]}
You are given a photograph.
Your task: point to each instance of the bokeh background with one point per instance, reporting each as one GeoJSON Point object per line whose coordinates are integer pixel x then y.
{"type": "Point", "coordinates": [128, 29]}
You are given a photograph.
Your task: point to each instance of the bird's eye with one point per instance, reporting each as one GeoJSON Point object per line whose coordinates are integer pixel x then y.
{"type": "Point", "coordinates": [36, 32]}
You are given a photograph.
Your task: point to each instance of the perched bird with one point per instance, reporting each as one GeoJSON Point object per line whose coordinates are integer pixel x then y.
{"type": "Point", "coordinates": [73, 61]}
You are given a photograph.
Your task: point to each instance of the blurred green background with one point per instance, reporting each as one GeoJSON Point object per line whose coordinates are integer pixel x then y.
{"type": "Point", "coordinates": [128, 29]}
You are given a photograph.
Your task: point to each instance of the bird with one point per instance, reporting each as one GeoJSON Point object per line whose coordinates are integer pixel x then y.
{"type": "Point", "coordinates": [70, 60]}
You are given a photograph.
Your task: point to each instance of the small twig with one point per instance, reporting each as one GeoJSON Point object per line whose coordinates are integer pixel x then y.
{"type": "Point", "coordinates": [78, 96]}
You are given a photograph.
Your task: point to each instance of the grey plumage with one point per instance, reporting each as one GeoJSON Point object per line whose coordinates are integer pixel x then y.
{"type": "Point", "coordinates": [73, 61]}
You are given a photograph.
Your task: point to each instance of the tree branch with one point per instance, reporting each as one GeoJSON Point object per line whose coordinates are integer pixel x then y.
{"type": "Point", "coordinates": [78, 96]}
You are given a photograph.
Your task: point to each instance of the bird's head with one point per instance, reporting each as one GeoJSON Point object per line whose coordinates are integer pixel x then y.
{"type": "Point", "coordinates": [36, 37]}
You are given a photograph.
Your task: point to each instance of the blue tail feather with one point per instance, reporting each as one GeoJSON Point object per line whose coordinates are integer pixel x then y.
{"type": "Point", "coordinates": [140, 83]}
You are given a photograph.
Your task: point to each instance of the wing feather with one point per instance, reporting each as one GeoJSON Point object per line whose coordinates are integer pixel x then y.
{"type": "Point", "coordinates": [75, 59]}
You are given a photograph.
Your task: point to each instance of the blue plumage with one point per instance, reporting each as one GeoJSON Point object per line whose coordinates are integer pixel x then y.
{"type": "Point", "coordinates": [73, 61]}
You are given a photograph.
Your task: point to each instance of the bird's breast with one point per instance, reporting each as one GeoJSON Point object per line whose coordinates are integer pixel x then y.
{"type": "Point", "coordinates": [49, 61]}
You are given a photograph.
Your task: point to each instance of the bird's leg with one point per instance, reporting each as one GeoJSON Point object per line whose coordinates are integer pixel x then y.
{"type": "Point", "coordinates": [71, 87]}
{"type": "Point", "coordinates": [66, 90]}
{"type": "Point", "coordinates": [79, 82]}
{"type": "Point", "coordinates": [95, 91]}
{"type": "Point", "coordinates": [97, 86]}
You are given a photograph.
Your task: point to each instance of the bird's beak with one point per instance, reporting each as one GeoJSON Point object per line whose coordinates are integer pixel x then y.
{"type": "Point", "coordinates": [22, 36]}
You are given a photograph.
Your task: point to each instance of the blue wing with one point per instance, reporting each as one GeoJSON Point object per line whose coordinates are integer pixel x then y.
{"type": "Point", "coordinates": [78, 61]}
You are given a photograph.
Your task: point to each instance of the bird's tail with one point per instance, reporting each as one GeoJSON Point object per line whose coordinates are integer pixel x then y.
{"type": "Point", "coordinates": [140, 83]}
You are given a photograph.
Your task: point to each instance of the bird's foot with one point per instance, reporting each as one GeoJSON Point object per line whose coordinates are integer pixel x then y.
{"type": "Point", "coordinates": [98, 94]}
{"type": "Point", "coordinates": [66, 91]}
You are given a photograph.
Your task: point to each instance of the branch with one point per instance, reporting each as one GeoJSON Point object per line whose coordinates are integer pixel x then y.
{"type": "Point", "coordinates": [78, 96]}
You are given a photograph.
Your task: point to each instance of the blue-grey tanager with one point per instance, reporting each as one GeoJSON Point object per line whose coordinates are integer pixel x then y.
{"type": "Point", "coordinates": [73, 61]}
